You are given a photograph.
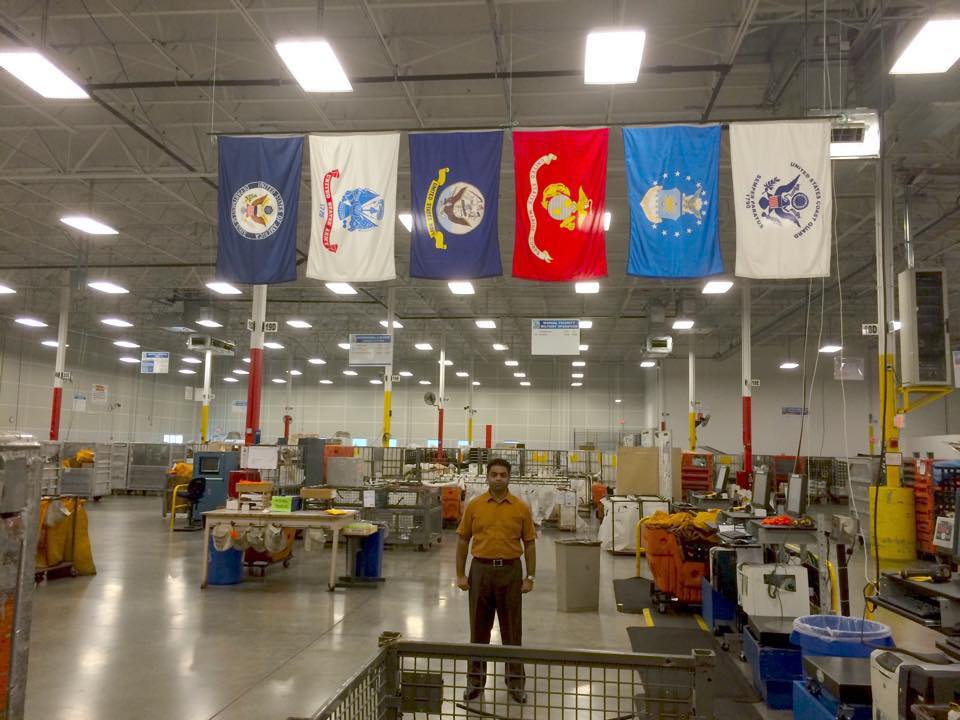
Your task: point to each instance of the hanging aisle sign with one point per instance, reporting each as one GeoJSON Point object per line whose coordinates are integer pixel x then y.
{"type": "Point", "coordinates": [555, 337]}
{"type": "Point", "coordinates": [154, 363]}
{"type": "Point", "coordinates": [371, 350]}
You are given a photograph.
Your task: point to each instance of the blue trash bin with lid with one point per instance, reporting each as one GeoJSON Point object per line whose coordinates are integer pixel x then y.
{"type": "Point", "coordinates": [838, 636]}
{"type": "Point", "coordinates": [368, 561]}
{"type": "Point", "coordinates": [224, 567]}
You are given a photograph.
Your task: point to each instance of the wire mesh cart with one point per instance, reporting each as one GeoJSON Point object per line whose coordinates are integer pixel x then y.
{"type": "Point", "coordinates": [426, 680]}
{"type": "Point", "coordinates": [413, 514]}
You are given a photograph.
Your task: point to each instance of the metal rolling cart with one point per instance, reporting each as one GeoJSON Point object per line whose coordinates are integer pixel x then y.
{"type": "Point", "coordinates": [425, 679]}
{"type": "Point", "coordinates": [88, 482]}
{"type": "Point", "coordinates": [50, 477]}
{"type": "Point", "coordinates": [413, 514]}
{"type": "Point", "coordinates": [149, 463]}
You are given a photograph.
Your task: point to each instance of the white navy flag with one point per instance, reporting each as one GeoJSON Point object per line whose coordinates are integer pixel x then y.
{"type": "Point", "coordinates": [354, 190]}
{"type": "Point", "coordinates": [783, 195]}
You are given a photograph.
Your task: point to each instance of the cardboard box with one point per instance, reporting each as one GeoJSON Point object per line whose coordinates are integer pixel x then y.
{"type": "Point", "coordinates": [318, 493]}
{"type": "Point", "coordinates": [255, 487]}
{"type": "Point", "coordinates": [638, 471]}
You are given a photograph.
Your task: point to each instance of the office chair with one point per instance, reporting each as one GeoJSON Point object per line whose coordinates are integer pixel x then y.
{"type": "Point", "coordinates": [190, 494]}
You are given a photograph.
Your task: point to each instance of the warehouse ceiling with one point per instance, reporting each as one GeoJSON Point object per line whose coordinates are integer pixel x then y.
{"type": "Point", "coordinates": [167, 76]}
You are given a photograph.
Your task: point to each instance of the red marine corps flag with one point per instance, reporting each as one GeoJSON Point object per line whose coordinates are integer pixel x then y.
{"type": "Point", "coordinates": [561, 181]}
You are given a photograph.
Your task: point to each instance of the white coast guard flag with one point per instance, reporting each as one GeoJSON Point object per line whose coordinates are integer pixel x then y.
{"type": "Point", "coordinates": [783, 195]}
{"type": "Point", "coordinates": [354, 189]}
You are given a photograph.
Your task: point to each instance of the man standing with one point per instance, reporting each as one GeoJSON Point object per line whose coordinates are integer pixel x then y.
{"type": "Point", "coordinates": [497, 522]}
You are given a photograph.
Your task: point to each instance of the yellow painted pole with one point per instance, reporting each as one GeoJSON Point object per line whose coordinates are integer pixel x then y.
{"type": "Point", "coordinates": [387, 414]}
{"type": "Point", "coordinates": [888, 413]}
{"type": "Point", "coordinates": [204, 422]}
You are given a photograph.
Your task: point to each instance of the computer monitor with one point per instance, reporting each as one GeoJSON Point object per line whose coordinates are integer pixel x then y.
{"type": "Point", "coordinates": [209, 465]}
{"type": "Point", "coordinates": [761, 488]}
{"type": "Point", "coordinates": [796, 494]}
{"type": "Point", "coordinates": [721, 482]}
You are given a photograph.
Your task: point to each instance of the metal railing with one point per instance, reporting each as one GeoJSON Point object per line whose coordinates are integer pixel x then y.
{"type": "Point", "coordinates": [424, 679]}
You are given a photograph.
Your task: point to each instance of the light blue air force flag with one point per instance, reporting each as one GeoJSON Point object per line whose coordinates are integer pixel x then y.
{"type": "Point", "coordinates": [672, 187]}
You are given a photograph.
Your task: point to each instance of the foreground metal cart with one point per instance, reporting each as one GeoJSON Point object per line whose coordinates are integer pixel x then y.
{"type": "Point", "coordinates": [426, 680]}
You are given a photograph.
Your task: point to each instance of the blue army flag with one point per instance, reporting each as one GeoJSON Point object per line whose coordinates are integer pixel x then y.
{"type": "Point", "coordinates": [257, 200]}
{"type": "Point", "coordinates": [672, 188]}
{"type": "Point", "coordinates": [454, 191]}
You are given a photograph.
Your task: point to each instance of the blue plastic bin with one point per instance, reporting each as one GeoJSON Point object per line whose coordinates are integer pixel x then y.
{"type": "Point", "coordinates": [838, 636]}
{"type": "Point", "coordinates": [224, 567]}
{"type": "Point", "coordinates": [368, 562]}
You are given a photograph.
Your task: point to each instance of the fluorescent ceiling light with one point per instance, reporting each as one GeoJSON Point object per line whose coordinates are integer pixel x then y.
{"type": "Point", "coordinates": [424, 382]}
{"type": "Point", "coordinates": [31, 322]}
{"type": "Point", "coordinates": [7, 290]}
{"type": "Point", "coordinates": [326, 382]}
{"type": "Point", "coordinates": [299, 324]}
{"type": "Point", "coordinates": [314, 65]}
{"type": "Point", "coordinates": [88, 225]}
{"type": "Point", "coordinates": [682, 324]}
{"type": "Point", "coordinates": [273, 345]}
{"type": "Point", "coordinates": [178, 329]}
{"type": "Point", "coordinates": [278, 381]}
{"type": "Point", "coordinates": [127, 344]}
{"type": "Point", "coordinates": [376, 381]}
{"type": "Point", "coordinates": [830, 349]}
{"type": "Point", "coordinates": [230, 379]}
{"type": "Point", "coordinates": [350, 373]}
{"type": "Point", "coordinates": [486, 324]}
{"type": "Point", "coordinates": [519, 374]}
{"type": "Point", "coordinates": [932, 50]}
{"type": "Point", "coordinates": [423, 346]}
{"type": "Point", "coordinates": [50, 343]}
{"type": "Point", "coordinates": [296, 372]}
{"type": "Point", "coordinates": [590, 287]}
{"type": "Point", "coordinates": [511, 363]}
{"type": "Point", "coordinates": [448, 363]}
{"type": "Point", "coordinates": [40, 75]}
{"type": "Point", "coordinates": [576, 384]}
{"type": "Point", "coordinates": [525, 383]}
{"type": "Point", "coordinates": [500, 347]}
{"type": "Point", "coordinates": [461, 287]}
{"type": "Point", "coordinates": [105, 286]}
{"type": "Point", "coordinates": [586, 324]}
{"type": "Point", "coordinates": [579, 363]}
{"type": "Point", "coordinates": [406, 219]}
{"type": "Point", "coordinates": [613, 56]}
{"type": "Point", "coordinates": [461, 373]}
{"type": "Point", "coordinates": [246, 360]}
{"type": "Point", "coordinates": [209, 323]}
{"type": "Point", "coordinates": [405, 373]}
{"type": "Point", "coordinates": [576, 376]}
{"type": "Point", "coordinates": [187, 371]}
{"type": "Point", "coordinates": [717, 287]}
{"type": "Point", "coordinates": [341, 288]}
{"type": "Point", "coordinates": [607, 217]}
{"type": "Point", "coordinates": [317, 361]}
{"type": "Point", "coordinates": [224, 288]}
{"type": "Point", "coordinates": [475, 383]}
{"type": "Point", "coordinates": [618, 400]}
{"type": "Point", "coordinates": [190, 360]}
{"type": "Point", "coordinates": [241, 371]}
{"type": "Point", "coordinates": [789, 365]}
{"type": "Point", "coordinates": [397, 325]}
{"type": "Point", "coordinates": [343, 345]}
{"type": "Point", "coordinates": [116, 322]}
{"type": "Point", "coordinates": [647, 364]}
{"type": "Point", "coordinates": [128, 359]}
{"type": "Point", "coordinates": [583, 348]}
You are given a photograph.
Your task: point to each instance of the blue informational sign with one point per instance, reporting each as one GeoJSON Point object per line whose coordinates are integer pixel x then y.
{"type": "Point", "coordinates": [374, 349]}
{"type": "Point", "coordinates": [555, 337]}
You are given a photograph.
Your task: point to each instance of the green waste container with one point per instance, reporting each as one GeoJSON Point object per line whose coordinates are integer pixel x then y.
{"type": "Point", "coordinates": [578, 575]}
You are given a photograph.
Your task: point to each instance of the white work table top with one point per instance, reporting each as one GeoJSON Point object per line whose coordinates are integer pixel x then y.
{"type": "Point", "coordinates": [224, 514]}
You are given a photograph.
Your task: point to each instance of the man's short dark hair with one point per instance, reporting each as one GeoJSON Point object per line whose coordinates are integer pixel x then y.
{"type": "Point", "coordinates": [501, 462]}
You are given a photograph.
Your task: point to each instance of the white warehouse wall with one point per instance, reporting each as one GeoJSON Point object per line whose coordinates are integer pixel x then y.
{"type": "Point", "coordinates": [145, 408]}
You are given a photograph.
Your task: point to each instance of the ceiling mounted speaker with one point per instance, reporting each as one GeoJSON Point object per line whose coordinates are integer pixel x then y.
{"type": "Point", "coordinates": [429, 398]}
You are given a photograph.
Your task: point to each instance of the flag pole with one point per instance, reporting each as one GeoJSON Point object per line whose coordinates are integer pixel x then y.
{"type": "Point", "coordinates": [388, 370]}
{"type": "Point", "coordinates": [746, 350]}
{"type": "Point", "coordinates": [252, 435]}
{"type": "Point", "coordinates": [61, 360]}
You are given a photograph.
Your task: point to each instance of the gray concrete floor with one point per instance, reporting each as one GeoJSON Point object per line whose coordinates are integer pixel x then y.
{"type": "Point", "coordinates": [140, 639]}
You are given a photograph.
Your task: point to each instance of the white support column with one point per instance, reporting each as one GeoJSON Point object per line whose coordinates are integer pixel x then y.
{"type": "Point", "coordinates": [746, 362]}
{"type": "Point", "coordinates": [205, 411]}
{"type": "Point", "coordinates": [388, 370]}
{"type": "Point", "coordinates": [442, 388]}
{"type": "Point", "coordinates": [60, 363]}
{"type": "Point", "coordinates": [692, 410]}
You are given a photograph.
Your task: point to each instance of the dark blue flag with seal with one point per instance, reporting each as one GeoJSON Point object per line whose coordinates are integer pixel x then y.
{"type": "Point", "coordinates": [257, 206]}
{"type": "Point", "coordinates": [673, 177]}
{"type": "Point", "coordinates": [454, 192]}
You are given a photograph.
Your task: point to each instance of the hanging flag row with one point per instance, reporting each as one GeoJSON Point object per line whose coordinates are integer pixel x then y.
{"type": "Point", "coordinates": [782, 192]}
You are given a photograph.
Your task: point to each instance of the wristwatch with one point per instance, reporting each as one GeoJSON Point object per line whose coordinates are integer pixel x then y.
{"type": "Point", "coordinates": [530, 577]}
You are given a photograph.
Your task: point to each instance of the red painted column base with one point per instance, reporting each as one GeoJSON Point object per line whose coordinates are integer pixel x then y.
{"type": "Point", "coordinates": [55, 413]}
{"type": "Point", "coordinates": [253, 395]}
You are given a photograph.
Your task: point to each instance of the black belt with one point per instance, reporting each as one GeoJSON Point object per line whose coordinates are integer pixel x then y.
{"type": "Point", "coordinates": [497, 562]}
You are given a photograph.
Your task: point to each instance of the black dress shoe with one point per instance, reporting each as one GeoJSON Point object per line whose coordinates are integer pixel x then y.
{"type": "Point", "coordinates": [519, 696]}
{"type": "Point", "coordinates": [472, 693]}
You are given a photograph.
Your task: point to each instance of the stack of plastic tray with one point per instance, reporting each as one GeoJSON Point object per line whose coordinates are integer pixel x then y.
{"type": "Point", "coordinates": [923, 505]}
{"type": "Point", "coordinates": [696, 472]}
